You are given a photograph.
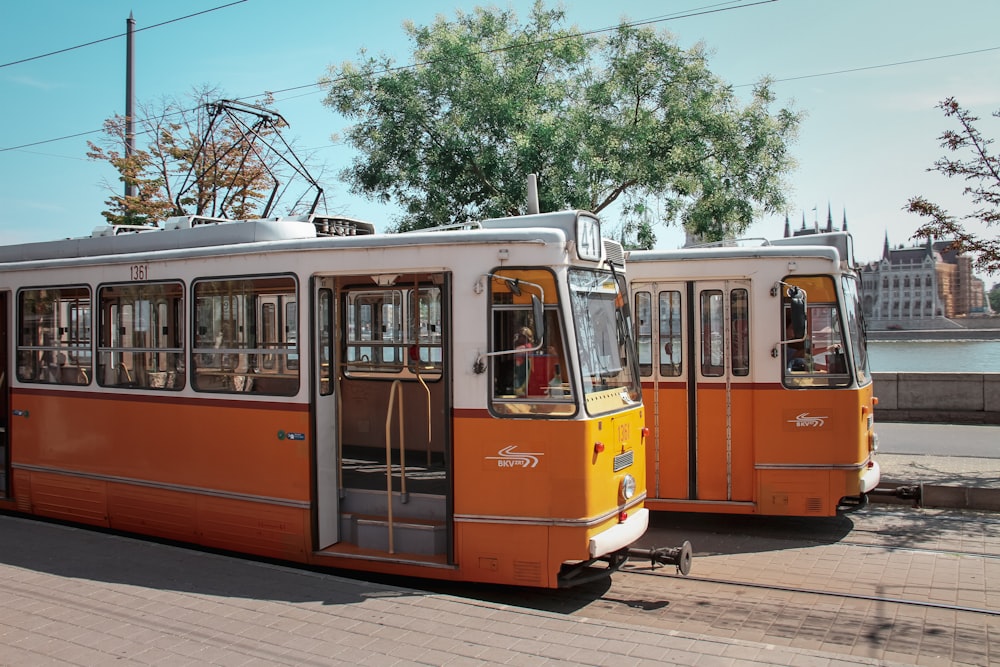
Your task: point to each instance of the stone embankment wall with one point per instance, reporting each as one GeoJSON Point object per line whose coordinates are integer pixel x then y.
{"type": "Point", "coordinates": [949, 398]}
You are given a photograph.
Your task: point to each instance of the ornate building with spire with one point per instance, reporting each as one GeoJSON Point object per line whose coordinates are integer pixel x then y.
{"type": "Point", "coordinates": [803, 231]}
{"type": "Point", "coordinates": [920, 287]}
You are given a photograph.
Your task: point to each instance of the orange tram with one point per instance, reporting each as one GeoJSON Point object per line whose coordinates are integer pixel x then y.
{"type": "Point", "coordinates": [307, 390]}
{"type": "Point", "coordinates": [755, 378]}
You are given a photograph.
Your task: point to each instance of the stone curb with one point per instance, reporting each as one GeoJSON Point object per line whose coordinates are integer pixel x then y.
{"type": "Point", "coordinates": [941, 496]}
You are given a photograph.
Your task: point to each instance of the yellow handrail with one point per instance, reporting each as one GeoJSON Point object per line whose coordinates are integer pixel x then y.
{"type": "Point", "coordinates": [388, 455]}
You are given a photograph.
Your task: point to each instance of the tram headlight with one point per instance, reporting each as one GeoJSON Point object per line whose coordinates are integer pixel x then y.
{"type": "Point", "coordinates": [627, 487]}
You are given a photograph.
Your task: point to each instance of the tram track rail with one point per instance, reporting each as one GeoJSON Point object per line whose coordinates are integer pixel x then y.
{"type": "Point", "coordinates": [922, 550]}
{"type": "Point", "coordinates": [816, 591]}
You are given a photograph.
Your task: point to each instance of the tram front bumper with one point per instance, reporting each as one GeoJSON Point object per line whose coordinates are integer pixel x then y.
{"type": "Point", "coordinates": [870, 478]}
{"type": "Point", "coordinates": [620, 535]}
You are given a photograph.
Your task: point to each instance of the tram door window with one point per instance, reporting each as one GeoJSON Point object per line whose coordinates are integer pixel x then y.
{"type": "Point", "coordinates": [246, 336]}
{"type": "Point", "coordinates": [425, 310]}
{"type": "Point", "coordinates": [324, 320]}
{"type": "Point", "coordinates": [712, 333]}
{"type": "Point", "coordinates": [716, 320]}
{"type": "Point", "coordinates": [671, 342]}
{"type": "Point", "coordinates": [644, 331]}
{"type": "Point", "coordinates": [141, 333]}
{"type": "Point", "coordinates": [739, 321]}
{"type": "Point", "coordinates": [54, 335]}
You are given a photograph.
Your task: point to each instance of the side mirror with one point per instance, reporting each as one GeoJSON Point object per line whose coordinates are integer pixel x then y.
{"type": "Point", "coordinates": [797, 312]}
{"type": "Point", "coordinates": [538, 311]}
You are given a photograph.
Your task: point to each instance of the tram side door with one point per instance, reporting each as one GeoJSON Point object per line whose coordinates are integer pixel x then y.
{"type": "Point", "coordinates": [721, 390]}
{"type": "Point", "coordinates": [4, 399]}
{"type": "Point", "coordinates": [702, 391]}
{"type": "Point", "coordinates": [325, 395]}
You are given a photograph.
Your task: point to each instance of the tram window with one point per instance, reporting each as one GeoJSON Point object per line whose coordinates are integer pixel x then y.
{"type": "Point", "coordinates": [856, 328]}
{"type": "Point", "coordinates": [644, 331]}
{"type": "Point", "coordinates": [424, 323]}
{"type": "Point", "coordinates": [603, 336]}
{"type": "Point", "coordinates": [54, 336]}
{"type": "Point", "coordinates": [671, 344]}
{"type": "Point", "coordinates": [534, 381]}
{"type": "Point", "coordinates": [245, 336]}
{"type": "Point", "coordinates": [820, 359]}
{"type": "Point", "coordinates": [291, 323]}
{"type": "Point", "coordinates": [372, 340]}
{"type": "Point", "coordinates": [712, 334]}
{"type": "Point", "coordinates": [739, 312]}
{"type": "Point", "coordinates": [395, 331]}
{"type": "Point", "coordinates": [140, 335]}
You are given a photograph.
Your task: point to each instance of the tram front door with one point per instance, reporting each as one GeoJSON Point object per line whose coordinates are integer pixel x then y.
{"type": "Point", "coordinates": [702, 391]}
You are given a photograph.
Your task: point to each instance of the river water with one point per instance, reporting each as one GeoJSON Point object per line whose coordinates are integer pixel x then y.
{"type": "Point", "coordinates": [952, 356]}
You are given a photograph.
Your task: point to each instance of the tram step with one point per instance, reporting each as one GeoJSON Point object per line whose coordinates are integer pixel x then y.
{"type": "Point", "coordinates": [412, 537]}
{"type": "Point", "coordinates": [419, 506]}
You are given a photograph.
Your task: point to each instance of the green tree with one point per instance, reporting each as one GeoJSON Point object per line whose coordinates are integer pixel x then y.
{"type": "Point", "coordinates": [994, 296]}
{"type": "Point", "coordinates": [981, 172]}
{"type": "Point", "coordinates": [190, 163]}
{"type": "Point", "coordinates": [629, 120]}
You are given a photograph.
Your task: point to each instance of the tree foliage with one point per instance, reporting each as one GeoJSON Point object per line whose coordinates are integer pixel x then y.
{"type": "Point", "coordinates": [189, 165]}
{"type": "Point", "coordinates": [981, 172]}
{"type": "Point", "coordinates": [631, 120]}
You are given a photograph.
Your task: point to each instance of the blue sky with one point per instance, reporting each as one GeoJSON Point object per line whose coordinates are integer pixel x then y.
{"type": "Point", "coordinates": [870, 133]}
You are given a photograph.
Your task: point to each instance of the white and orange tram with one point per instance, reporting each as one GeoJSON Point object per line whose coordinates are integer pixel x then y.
{"type": "Point", "coordinates": [755, 378]}
{"type": "Point", "coordinates": [306, 389]}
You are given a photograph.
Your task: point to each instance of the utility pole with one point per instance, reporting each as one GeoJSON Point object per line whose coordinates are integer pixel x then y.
{"type": "Point", "coordinates": [130, 189]}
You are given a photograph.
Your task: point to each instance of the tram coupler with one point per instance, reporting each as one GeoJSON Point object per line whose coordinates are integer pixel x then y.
{"type": "Point", "coordinates": [904, 492]}
{"type": "Point", "coordinates": [679, 556]}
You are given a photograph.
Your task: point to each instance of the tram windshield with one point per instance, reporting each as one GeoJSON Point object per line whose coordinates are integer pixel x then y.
{"type": "Point", "coordinates": [603, 334]}
{"type": "Point", "coordinates": [856, 327]}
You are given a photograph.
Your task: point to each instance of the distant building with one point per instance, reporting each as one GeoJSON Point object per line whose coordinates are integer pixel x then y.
{"type": "Point", "coordinates": [917, 287]}
{"type": "Point", "coordinates": [803, 231]}
{"type": "Point", "coordinates": [920, 287]}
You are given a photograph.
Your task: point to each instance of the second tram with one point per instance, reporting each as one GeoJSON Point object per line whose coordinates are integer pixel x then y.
{"type": "Point", "coordinates": [755, 375]}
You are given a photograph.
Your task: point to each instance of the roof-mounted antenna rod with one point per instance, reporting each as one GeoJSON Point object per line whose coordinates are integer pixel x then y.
{"type": "Point", "coordinates": [532, 194]}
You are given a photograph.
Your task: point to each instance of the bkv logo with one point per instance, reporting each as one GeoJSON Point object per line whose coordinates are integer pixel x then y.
{"type": "Point", "coordinates": [509, 458]}
{"type": "Point", "coordinates": [806, 420]}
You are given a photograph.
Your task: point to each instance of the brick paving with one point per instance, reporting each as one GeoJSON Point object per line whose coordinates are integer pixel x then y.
{"type": "Point", "coordinates": [76, 597]}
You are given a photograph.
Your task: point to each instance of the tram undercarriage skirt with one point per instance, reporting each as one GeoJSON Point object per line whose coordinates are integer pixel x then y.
{"type": "Point", "coordinates": [587, 571]}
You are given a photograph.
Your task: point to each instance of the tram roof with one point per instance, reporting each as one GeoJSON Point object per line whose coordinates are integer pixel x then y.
{"type": "Point", "coordinates": [836, 247]}
{"type": "Point", "coordinates": [196, 235]}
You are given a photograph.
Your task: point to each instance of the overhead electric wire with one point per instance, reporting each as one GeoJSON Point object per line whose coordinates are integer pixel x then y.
{"type": "Point", "coordinates": [708, 9]}
{"type": "Point", "coordinates": [868, 67]}
{"type": "Point", "coordinates": [108, 39]}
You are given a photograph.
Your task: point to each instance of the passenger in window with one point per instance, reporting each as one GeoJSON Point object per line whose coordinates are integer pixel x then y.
{"type": "Point", "coordinates": [523, 340]}
{"type": "Point", "coordinates": [543, 371]}
{"type": "Point", "coordinates": [796, 359]}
